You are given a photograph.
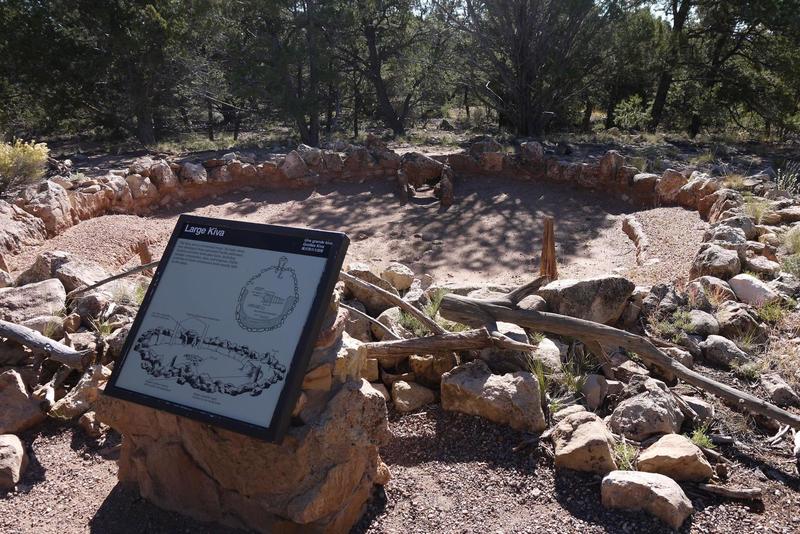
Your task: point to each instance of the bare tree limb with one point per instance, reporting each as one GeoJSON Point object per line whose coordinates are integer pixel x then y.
{"type": "Point", "coordinates": [79, 291]}
{"type": "Point", "coordinates": [750, 494]}
{"type": "Point", "coordinates": [34, 340]}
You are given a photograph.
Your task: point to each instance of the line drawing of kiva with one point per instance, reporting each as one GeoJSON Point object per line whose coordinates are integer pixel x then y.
{"type": "Point", "coordinates": [268, 298]}
{"type": "Point", "coordinates": [186, 353]}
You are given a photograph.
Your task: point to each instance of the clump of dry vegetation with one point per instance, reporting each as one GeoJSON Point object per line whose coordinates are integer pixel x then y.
{"type": "Point", "coordinates": [21, 163]}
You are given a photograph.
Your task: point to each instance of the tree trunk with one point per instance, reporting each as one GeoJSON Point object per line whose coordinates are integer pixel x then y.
{"type": "Point", "coordinates": [145, 132]}
{"type": "Point", "coordinates": [466, 100]}
{"type": "Point", "coordinates": [210, 123]}
{"type": "Point", "coordinates": [586, 124]}
{"type": "Point", "coordinates": [680, 12]}
{"type": "Point", "coordinates": [385, 108]}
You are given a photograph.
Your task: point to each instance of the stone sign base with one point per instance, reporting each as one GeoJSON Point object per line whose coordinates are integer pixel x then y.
{"type": "Point", "coordinates": [318, 479]}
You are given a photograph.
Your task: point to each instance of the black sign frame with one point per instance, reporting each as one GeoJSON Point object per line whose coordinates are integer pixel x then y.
{"type": "Point", "coordinates": [252, 235]}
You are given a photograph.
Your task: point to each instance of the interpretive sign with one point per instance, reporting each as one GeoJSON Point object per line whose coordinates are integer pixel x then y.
{"type": "Point", "coordinates": [229, 322]}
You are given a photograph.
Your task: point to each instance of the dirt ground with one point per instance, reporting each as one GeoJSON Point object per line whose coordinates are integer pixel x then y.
{"type": "Point", "coordinates": [491, 235]}
{"type": "Point", "coordinates": [451, 473]}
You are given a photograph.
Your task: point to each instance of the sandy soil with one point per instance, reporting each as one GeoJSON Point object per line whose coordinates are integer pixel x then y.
{"type": "Point", "coordinates": [492, 233]}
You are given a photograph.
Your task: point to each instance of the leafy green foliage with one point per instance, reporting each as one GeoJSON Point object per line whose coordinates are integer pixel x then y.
{"type": "Point", "coordinates": [701, 438]}
{"type": "Point", "coordinates": [625, 455]}
{"type": "Point", "coordinates": [670, 328]}
{"type": "Point", "coordinates": [632, 113]}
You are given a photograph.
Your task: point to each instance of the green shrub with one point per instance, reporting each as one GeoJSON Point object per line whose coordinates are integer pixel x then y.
{"type": "Point", "coordinates": [632, 113]}
{"type": "Point", "coordinates": [791, 240]}
{"type": "Point", "coordinates": [21, 163]}
{"type": "Point", "coordinates": [791, 264]}
{"type": "Point", "coordinates": [625, 455]}
{"type": "Point", "coordinates": [670, 328]}
{"type": "Point", "coordinates": [701, 438]}
{"type": "Point", "coordinates": [772, 312]}
{"type": "Point", "coordinates": [755, 208]}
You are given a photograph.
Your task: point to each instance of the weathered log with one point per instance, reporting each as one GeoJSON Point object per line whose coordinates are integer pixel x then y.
{"type": "Point", "coordinates": [409, 308]}
{"type": "Point", "coordinates": [750, 494]}
{"type": "Point", "coordinates": [472, 312]}
{"type": "Point", "coordinates": [372, 320]}
{"type": "Point", "coordinates": [75, 292]}
{"type": "Point", "coordinates": [391, 351]}
{"type": "Point", "coordinates": [37, 342]}
{"type": "Point", "coordinates": [548, 265]}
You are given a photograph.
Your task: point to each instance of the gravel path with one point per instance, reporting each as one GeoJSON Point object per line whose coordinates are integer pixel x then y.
{"type": "Point", "coordinates": [491, 234]}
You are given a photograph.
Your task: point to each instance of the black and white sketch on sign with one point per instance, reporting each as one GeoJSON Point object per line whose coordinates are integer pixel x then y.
{"type": "Point", "coordinates": [268, 298]}
{"type": "Point", "coordinates": [185, 353]}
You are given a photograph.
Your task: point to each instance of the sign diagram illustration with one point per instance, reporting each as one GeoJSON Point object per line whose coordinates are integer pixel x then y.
{"type": "Point", "coordinates": [268, 298]}
{"type": "Point", "coordinates": [184, 352]}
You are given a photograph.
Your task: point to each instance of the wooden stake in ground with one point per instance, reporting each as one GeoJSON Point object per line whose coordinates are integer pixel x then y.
{"type": "Point", "coordinates": [548, 267]}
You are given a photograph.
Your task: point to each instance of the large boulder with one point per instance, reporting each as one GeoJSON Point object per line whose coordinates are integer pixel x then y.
{"type": "Point", "coordinates": [656, 494]}
{"type": "Point", "coordinates": [753, 291]}
{"type": "Point", "coordinates": [73, 271]}
{"type": "Point", "coordinates": [13, 461]}
{"type": "Point", "coordinates": [702, 323]}
{"type": "Point", "coordinates": [583, 443]}
{"type": "Point", "coordinates": [49, 202]}
{"type": "Point", "coordinates": [722, 351]}
{"type": "Point", "coordinates": [677, 457]}
{"type": "Point", "coordinates": [707, 292]}
{"type": "Point", "coordinates": [714, 260]}
{"type": "Point", "coordinates": [19, 411]}
{"type": "Point", "coordinates": [83, 395]}
{"type": "Point", "coordinates": [294, 166]}
{"type": "Point", "coordinates": [652, 410]}
{"type": "Point", "coordinates": [512, 399]}
{"type": "Point", "coordinates": [601, 299]}
{"type": "Point", "coordinates": [18, 304]}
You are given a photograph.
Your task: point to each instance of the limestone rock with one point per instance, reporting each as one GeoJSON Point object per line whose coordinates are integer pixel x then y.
{"type": "Point", "coordinates": [398, 275]}
{"type": "Point", "coordinates": [5, 279]}
{"type": "Point", "coordinates": [93, 428]}
{"type": "Point", "coordinates": [49, 202]}
{"type": "Point", "coordinates": [704, 409]}
{"type": "Point", "coordinates": [583, 443]}
{"type": "Point", "coordinates": [707, 292]}
{"type": "Point", "coordinates": [18, 304]}
{"type": "Point", "coordinates": [193, 173]}
{"type": "Point", "coordinates": [371, 370]}
{"type": "Point", "coordinates": [83, 395]}
{"type": "Point", "coordinates": [532, 152]}
{"type": "Point", "coordinates": [599, 299]}
{"type": "Point", "coordinates": [722, 351]}
{"type": "Point", "coordinates": [420, 169]}
{"type": "Point", "coordinates": [594, 390]}
{"type": "Point", "coordinates": [410, 396]}
{"type": "Point", "coordinates": [670, 184]}
{"type": "Point", "coordinates": [753, 291]}
{"type": "Point", "coordinates": [375, 305]}
{"type": "Point", "coordinates": [513, 399]}
{"type": "Point", "coordinates": [162, 175]}
{"type": "Point", "coordinates": [779, 391]}
{"type": "Point", "coordinates": [763, 266]}
{"type": "Point", "coordinates": [358, 326]}
{"type": "Point", "coordinates": [142, 189]}
{"type": "Point", "coordinates": [428, 369]}
{"type": "Point", "coordinates": [390, 318]}
{"type": "Point", "coordinates": [677, 457]}
{"type": "Point", "coordinates": [561, 414]}
{"type": "Point", "coordinates": [702, 323]}
{"type": "Point", "coordinates": [220, 175]}
{"type": "Point", "coordinates": [652, 411]}
{"type": "Point", "coordinates": [13, 461]}
{"type": "Point", "coordinates": [141, 166]}
{"type": "Point", "coordinates": [51, 326]}
{"type": "Point", "coordinates": [72, 270]}
{"type": "Point", "coordinates": [18, 228]}
{"type": "Point", "coordinates": [737, 319]}
{"type": "Point", "coordinates": [293, 166]}
{"type": "Point", "coordinates": [713, 260]}
{"type": "Point", "coordinates": [20, 410]}
{"type": "Point", "coordinates": [656, 494]}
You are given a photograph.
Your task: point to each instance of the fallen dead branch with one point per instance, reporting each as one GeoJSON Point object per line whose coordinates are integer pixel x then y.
{"type": "Point", "coordinates": [79, 291]}
{"type": "Point", "coordinates": [391, 351]}
{"type": "Point", "coordinates": [750, 494]}
{"type": "Point", "coordinates": [38, 343]}
{"type": "Point", "coordinates": [476, 312]}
